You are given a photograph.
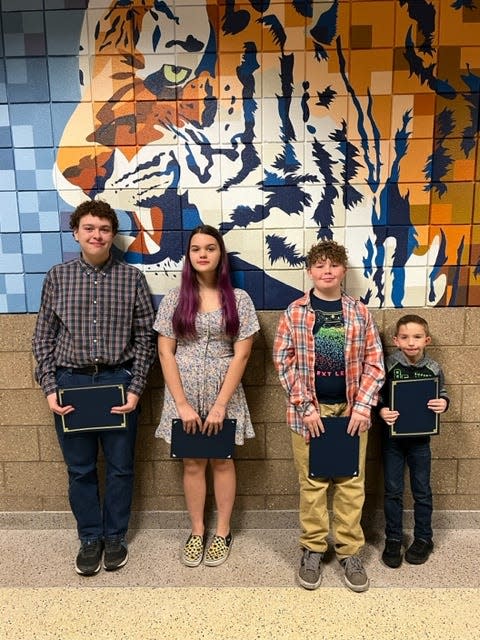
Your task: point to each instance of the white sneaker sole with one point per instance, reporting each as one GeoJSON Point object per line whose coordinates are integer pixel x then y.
{"type": "Point", "coordinates": [310, 585]}
{"type": "Point", "coordinates": [117, 566]}
{"type": "Point", "coordinates": [192, 563]}
{"type": "Point", "coordinates": [358, 588]}
{"type": "Point", "coordinates": [88, 573]}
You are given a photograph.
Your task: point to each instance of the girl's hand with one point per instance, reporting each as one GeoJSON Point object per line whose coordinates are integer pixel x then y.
{"type": "Point", "coordinates": [214, 421]}
{"type": "Point", "coordinates": [190, 418]}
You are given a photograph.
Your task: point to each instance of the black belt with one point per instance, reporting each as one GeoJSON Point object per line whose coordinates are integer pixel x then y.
{"type": "Point", "coordinates": [94, 369]}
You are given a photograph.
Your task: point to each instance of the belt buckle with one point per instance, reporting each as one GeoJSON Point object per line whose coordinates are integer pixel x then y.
{"type": "Point", "coordinates": [91, 369]}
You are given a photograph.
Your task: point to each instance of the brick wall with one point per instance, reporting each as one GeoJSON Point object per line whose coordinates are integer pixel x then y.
{"type": "Point", "coordinates": [33, 477]}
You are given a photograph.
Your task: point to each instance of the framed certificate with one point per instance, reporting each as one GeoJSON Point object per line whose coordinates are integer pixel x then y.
{"type": "Point", "coordinates": [93, 405]}
{"type": "Point", "coordinates": [409, 398]}
{"type": "Point", "coordinates": [200, 445]}
{"type": "Point", "coordinates": [334, 453]}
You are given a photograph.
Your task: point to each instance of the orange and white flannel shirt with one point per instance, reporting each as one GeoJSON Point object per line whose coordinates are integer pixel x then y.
{"type": "Point", "coordinates": [294, 358]}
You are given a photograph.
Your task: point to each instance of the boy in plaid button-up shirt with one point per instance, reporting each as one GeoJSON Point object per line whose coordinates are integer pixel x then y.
{"type": "Point", "coordinates": [329, 358]}
{"type": "Point", "coordinates": [94, 328]}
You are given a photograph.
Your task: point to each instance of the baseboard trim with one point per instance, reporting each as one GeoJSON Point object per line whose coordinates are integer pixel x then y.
{"type": "Point", "coordinates": [263, 519]}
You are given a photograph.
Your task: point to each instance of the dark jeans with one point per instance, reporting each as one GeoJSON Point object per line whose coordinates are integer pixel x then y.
{"type": "Point", "coordinates": [415, 452]}
{"type": "Point", "coordinates": [80, 451]}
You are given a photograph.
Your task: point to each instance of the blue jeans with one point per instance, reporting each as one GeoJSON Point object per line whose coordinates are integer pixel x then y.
{"type": "Point", "coordinates": [415, 452]}
{"type": "Point", "coordinates": [80, 452]}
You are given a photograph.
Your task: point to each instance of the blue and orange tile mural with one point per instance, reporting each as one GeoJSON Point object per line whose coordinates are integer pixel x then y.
{"type": "Point", "coordinates": [279, 122]}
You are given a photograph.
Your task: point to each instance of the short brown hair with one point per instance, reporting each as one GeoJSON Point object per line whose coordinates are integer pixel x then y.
{"type": "Point", "coordinates": [412, 317]}
{"type": "Point", "coordinates": [327, 250]}
{"type": "Point", "coordinates": [96, 208]}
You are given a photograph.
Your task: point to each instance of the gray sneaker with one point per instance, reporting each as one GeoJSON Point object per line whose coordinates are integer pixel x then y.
{"type": "Point", "coordinates": [355, 576]}
{"type": "Point", "coordinates": [310, 572]}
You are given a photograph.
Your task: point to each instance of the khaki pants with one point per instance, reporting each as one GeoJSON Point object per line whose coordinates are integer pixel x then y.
{"type": "Point", "coordinates": [348, 499]}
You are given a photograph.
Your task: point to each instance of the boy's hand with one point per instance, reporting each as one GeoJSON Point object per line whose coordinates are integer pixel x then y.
{"type": "Point", "coordinates": [57, 408]}
{"type": "Point", "coordinates": [313, 422]}
{"type": "Point", "coordinates": [437, 405]}
{"type": "Point", "coordinates": [129, 406]}
{"type": "Point", "coordinates": [358, 423]}
{"type": "Point", "coordinates": [389, 416]}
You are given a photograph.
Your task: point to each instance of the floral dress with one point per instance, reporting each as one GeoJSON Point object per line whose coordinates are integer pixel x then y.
{"type": "Point", "coordinates": [203, 362]}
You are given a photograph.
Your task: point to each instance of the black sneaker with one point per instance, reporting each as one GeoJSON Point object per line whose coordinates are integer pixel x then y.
{"type": "Point", "coordinates": [310, 572]}
{"type": "Point", "coordinates": [116, 554]}
{"type": "Point", "coordinates": [392, 554]}
{"type": "Point", "coordinates": [419, 551]}
{"type": "Point", "coordinates": [89, 558]}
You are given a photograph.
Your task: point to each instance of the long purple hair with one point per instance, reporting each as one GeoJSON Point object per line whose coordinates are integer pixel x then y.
{"type": "Point", "coordinates": [185, 314]}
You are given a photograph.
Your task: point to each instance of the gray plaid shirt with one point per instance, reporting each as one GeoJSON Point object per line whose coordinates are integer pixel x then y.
{"type": "Point", "coordinates": [94, 316]}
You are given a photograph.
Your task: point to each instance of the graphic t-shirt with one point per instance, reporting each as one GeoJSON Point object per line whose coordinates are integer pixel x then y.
{"type": "Point", "coordinates": [329, 335]}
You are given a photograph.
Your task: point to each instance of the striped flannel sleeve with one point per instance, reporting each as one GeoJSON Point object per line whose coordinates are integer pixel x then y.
{"type": "Point", "coordinates": [290, 356]}
{"type": "Point", "coordinates": [44, 339]}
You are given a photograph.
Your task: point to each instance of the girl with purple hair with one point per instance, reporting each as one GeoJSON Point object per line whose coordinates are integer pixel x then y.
{"type": "Point", "coordinates": [205, 334]}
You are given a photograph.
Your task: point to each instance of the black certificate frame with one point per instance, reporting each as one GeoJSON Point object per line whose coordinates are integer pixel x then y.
{"type": "Point", "coordinates": [409, 397]}
{"type": "Point", "coordinates": [219, 446]}
{"type": "Point", "coordinates": [92, 408]}
{"type": "Point", "coordinates": [334, 453]}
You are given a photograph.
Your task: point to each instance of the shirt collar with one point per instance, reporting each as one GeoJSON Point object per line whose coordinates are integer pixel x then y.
{"type": "Point", "coordinates": [305, 299]}
{"type": "Point", "coordinates": [103, 269]}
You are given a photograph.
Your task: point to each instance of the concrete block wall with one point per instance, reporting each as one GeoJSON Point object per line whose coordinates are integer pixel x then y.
{"type": "Point", "coordinates": [33, 476]}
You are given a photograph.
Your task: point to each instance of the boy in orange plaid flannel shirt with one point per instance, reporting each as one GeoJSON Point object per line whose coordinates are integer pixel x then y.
{"type": "Point", "coordinates": [329, 358]}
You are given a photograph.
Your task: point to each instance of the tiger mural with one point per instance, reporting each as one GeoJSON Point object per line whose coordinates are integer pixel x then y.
{"type": "Point", "coordinates": [282, 123]}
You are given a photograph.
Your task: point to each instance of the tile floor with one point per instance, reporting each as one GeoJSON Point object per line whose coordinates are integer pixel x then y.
{"type": "Point", "coordinates": [252, 596]}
